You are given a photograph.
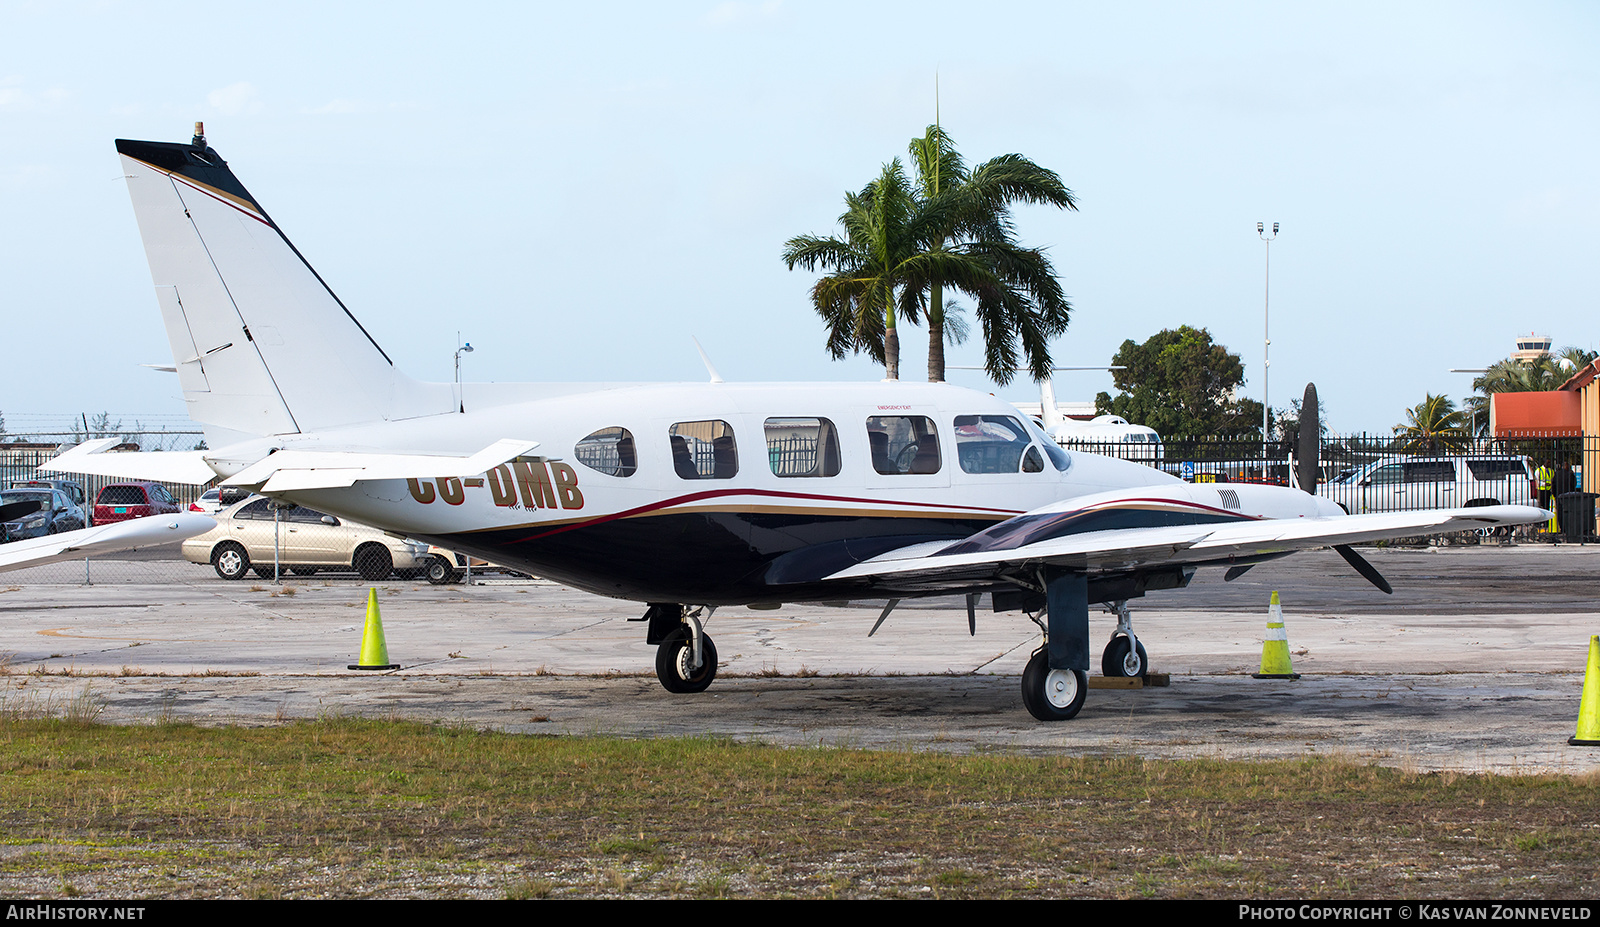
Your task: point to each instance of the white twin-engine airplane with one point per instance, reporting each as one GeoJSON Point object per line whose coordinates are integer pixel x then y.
{"type": "Point", "coordinates": [686, 497]}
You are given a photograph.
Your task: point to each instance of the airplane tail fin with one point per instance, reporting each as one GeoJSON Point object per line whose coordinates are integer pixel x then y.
{"type": "Point", "coordinates": [261, 343]}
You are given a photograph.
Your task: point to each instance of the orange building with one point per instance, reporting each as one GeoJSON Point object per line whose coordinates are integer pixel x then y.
{"type": "Point", "coordinates": [1586, 387]}
{"type": "Point", "coordinates": [1554, 414]}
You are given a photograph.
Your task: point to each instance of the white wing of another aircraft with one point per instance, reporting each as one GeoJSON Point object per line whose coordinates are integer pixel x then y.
{"type": "Point", "coordinates": [102, 539]}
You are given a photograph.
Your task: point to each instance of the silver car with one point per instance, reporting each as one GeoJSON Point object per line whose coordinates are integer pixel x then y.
{"type": "Point", "coordinates": [308, 541]}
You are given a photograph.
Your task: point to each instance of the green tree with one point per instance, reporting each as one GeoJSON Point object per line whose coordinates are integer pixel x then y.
{"type": "Point", "coordinates": [1181, 384]}
{"type": "Point", "coordinates": [1517, 376]}
{"type": "Point", "coordinates": [872, 279]}
{"type": "Point", "coordinates": [1016, 292]}
{"type": "Point", "coordinates": [1433, 425]}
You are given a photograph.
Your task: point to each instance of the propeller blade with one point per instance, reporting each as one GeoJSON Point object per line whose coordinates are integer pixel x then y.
{"type": "Point", "coordinates": [1308, 450]}
{"type": "Point", "coordinates": [1364, 568]}
{"type": "Point", "coordinates": [1236, 572]}
{"type": "Point", "coordinates": [972, 614]}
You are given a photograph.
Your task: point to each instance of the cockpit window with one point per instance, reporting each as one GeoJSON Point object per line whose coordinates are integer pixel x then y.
{"type": "Point", "coordinates": [990, 443]}
{"type": "Point", "coordinates": [802, 447]}
{"type": "Point", "coordinates": [903, 444]}
{"type": "Point", "coordinates": [1058, 457]}
{"type": "Point", "coordinates": [610, 451]}
{"type": "Point", "coordinates": [704, 450]}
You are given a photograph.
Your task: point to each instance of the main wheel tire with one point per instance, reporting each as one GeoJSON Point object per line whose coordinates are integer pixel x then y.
{"type": "Point", "coordinates": [1052, 695]}
{"type": "Point", "coordinates": [437, 571]}
{"type": "Point", "coordinates": [674, 656]}
{"type": "Point", "coordinates": [230, 561]}
{"type": "Point", "coordinates": [1118, 660]}
{"type": "Point", "coordinates": [373, 562]}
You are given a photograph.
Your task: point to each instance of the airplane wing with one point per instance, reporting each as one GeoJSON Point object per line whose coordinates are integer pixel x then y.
{"type": "Point", "coordinates": [285, 470]}
{"type": "Point", "coordinates": [925, 568]}
{"type": "Point", "coordinates": [122, 535]}
{"type": "Point", "coordinates": [166, 466]}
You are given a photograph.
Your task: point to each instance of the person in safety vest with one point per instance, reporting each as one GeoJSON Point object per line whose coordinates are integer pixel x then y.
{"type": "Point", "coordinates": [1542, 480]}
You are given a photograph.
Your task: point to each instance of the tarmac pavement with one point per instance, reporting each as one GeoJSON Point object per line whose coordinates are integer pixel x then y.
{"type": "Point", "coordinates": [1476, 663]}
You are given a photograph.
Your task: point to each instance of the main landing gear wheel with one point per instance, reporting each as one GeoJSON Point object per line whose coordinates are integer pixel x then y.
{"type": "Point", "coordinates": [1120, 660]}
{"type": "Point", "coordinates": [1052, 694]}
{"type": "Point", "coordinates": [675, 662]}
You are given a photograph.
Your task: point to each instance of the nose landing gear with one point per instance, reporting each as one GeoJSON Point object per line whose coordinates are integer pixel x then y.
{"type": "Point", "coordinates": [1124, 656]}
{"type": "Point", "coordinates": [686, 657]}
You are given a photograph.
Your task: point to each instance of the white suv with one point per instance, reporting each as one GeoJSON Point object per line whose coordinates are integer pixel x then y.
{"type": "Point", "coordinates": [1399, 484]}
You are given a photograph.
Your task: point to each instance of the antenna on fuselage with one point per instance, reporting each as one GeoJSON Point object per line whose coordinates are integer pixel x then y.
{"type": "Point", "coordinates": [705, 359]}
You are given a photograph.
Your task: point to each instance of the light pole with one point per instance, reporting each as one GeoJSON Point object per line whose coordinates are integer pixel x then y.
{"type": "Point", "coordinates": [1266, 338]}
{"type": "Point", "coordinates": [461, 348]}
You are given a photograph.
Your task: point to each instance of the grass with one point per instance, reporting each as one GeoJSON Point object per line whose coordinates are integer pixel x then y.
{"type": "Point", "coordinates": [359, 808]}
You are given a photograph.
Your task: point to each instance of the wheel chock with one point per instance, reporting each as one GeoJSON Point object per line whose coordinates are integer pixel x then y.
{"type": "Point", "coordinates": [1588, 734]}
{"type": "Point", "coordinates": [1147, 681]}
{"type": "Point", "coordinates": [374, 650]}
{"type": "Point", "coordinates": [1275, 648]}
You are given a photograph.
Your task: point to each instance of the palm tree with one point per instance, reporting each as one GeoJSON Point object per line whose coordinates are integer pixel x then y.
{"type": "Point", "coordinates": [1541, 375]}
{"type": "Point", "coordinates": [859, 300]}
{"type": "Point", "coordinates": [1433, 425]}
{"type": "Point", "coordinates": [969, 213]}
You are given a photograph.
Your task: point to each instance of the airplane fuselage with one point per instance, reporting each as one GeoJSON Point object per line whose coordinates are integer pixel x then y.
{"type": "Point", "coordinates": [763, 508]}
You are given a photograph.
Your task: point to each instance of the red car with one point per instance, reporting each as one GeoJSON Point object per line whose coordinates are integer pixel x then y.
{"type": "Point", "coordinates": [122, 501]}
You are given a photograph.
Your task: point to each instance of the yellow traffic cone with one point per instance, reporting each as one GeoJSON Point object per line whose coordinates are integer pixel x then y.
{"type": "Point", "coordinates": [1275, 648]}
{"type": "Point", "coordinates": [374, 651]}
{"type": "Point", "coordinates": [1589, 707]}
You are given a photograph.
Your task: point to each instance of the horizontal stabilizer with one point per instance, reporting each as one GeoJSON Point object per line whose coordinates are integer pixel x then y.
{"type": "Point", "coordinates": [165, 466]}
{"type": "Point", "coordinates": [122, 535]}
{"type": "Point", "coordinates": [291, 470]}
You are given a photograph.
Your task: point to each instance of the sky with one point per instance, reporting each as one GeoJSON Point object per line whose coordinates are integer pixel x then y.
{"type": "Point", "coordinates": [580, 189]}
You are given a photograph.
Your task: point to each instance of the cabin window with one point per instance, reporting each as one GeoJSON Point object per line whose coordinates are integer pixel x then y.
{"type": "Point", "coordinates": [704, 450]}
{"type": "Point", "coordinates": [1032, 461]}
{"type": "Point", "coordinates": [610, 451]}
{"type": "Point", "coordinates": [992, 444]}
{"type": "Point", "coordinates": [903, 444]}
{"type": "Point", "coordinates": [802, 447]}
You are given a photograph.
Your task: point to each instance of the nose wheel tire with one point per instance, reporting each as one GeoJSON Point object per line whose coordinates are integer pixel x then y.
{"type": "Point", "coordinates": [675, 663]}
{"type": "Point", "coordinates": [1121, 660]}
{"type": "Point", "coordinates": [1052, 694]}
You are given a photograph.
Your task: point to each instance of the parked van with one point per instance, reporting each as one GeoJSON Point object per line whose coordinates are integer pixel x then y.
{"type": "Point", "coordinates": [1400, 484]}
